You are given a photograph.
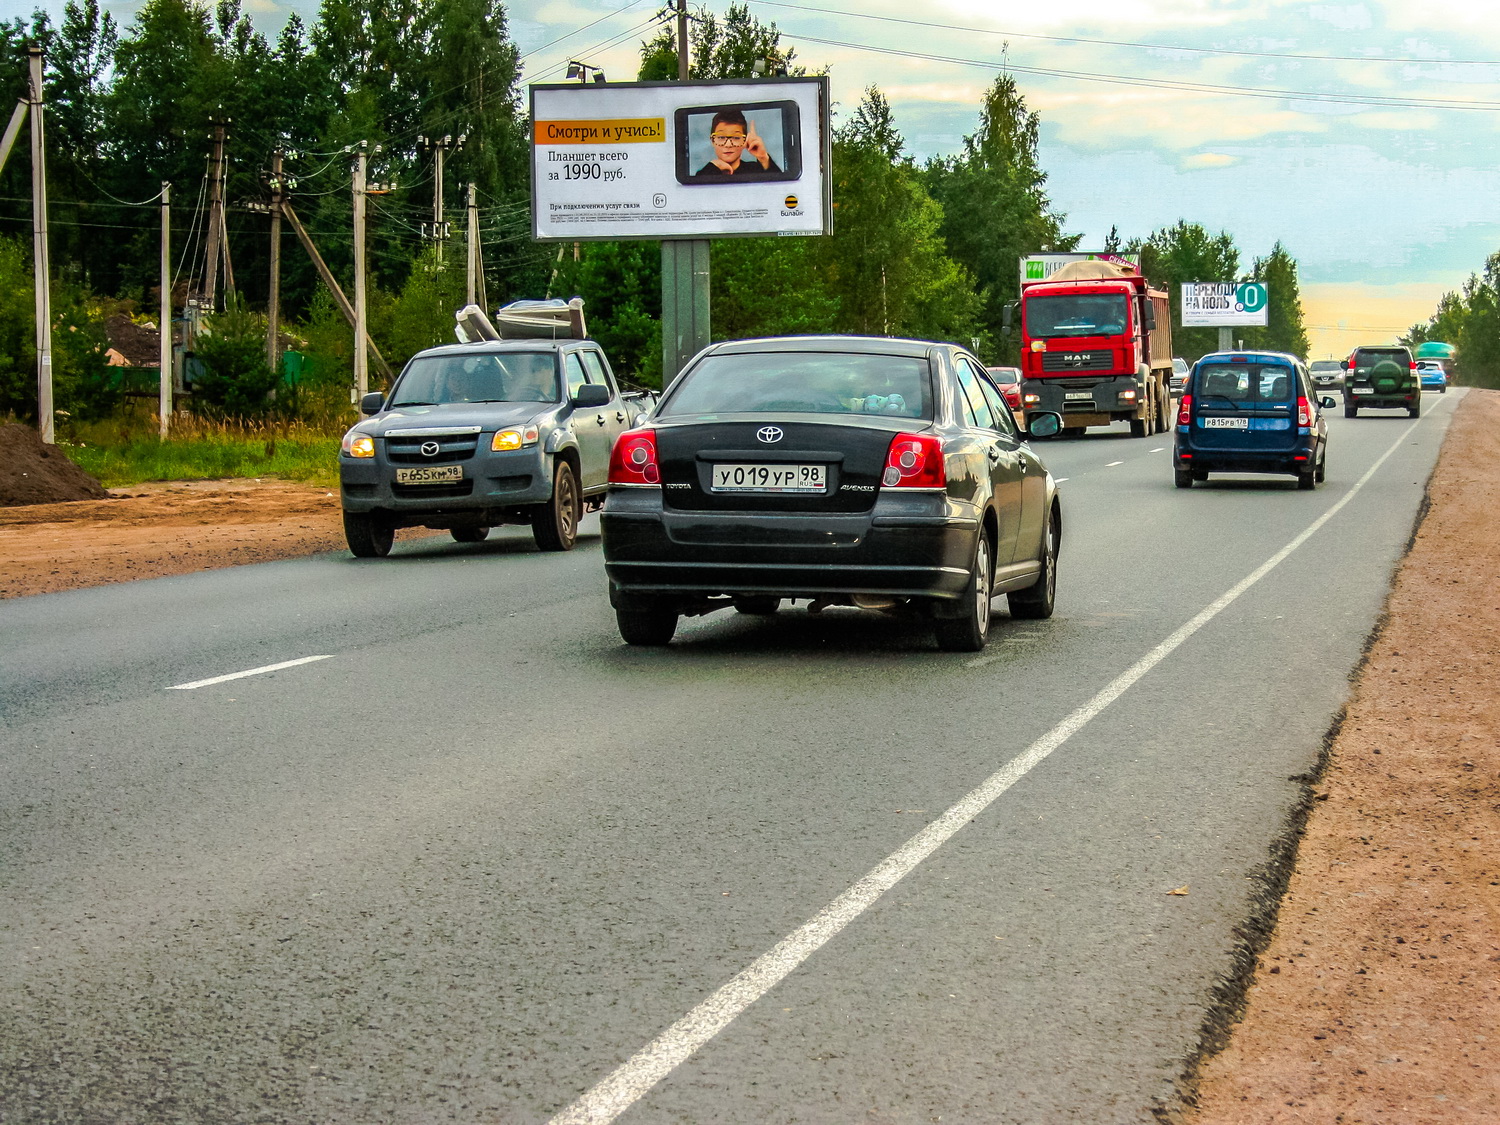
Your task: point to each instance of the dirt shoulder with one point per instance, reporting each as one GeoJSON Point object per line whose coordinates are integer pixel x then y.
{"type": "Point", "coordinates": [1378, 997]}
{"type": "Point", "coordinates": [1379, 988]}
{"type": "Point", "coordinates": [148, 531]}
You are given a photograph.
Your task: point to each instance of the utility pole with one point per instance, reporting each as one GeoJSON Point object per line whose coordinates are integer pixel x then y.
{"type": "Point", "coordinates": [438, 234]}
{"type": "Point", "coordinates": [44, 416]}
{"type": "Point", "coordinates": [685, 327]}
{"type": "Point", "coordinates": [273, 300]}
{"type": "Point", "coordinates": [361, 328]}
{"type": "Point", "coordinates": [215, 212]}
{"type": "Point", "coordinates": [471, 288]}
{"type": "Point", "coordinates": [164, 321]}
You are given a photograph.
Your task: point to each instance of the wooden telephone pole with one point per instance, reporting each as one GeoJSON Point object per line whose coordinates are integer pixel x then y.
{"type": "Point", "coordinates": [164, 320]}
{"type": "Point", "coordinates": [46, 422]}
{"type": "Point", "coordinates": [273, 299]}
{"type": "Point", "coordinates": [215, 213]}
{"type": "Point", "coordinates": [361, 327]}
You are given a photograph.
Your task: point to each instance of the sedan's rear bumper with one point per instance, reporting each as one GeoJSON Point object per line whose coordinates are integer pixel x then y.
{"type": "Point", "coordinates": [911, 546]}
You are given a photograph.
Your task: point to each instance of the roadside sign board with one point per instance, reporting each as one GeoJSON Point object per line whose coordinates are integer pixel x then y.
{"type": "Point", "coordinates": [654, 160]}
{"type": "Point", "coordinates": [1039, 267]}
{"type": "Point", "coordinates": [1223, 304]}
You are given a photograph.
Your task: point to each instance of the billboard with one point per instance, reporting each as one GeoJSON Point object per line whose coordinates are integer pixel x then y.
{"type": "Point", "coordinates": [1039, 267]}
{"type": "Point", "coordinates": [1223, 304]}
{"type": "Point", "coordinates": [625, 160]}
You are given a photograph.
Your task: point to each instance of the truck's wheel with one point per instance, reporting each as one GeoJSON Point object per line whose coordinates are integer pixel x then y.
{"type": "Point", "coordinates": [1164, 415]}
{"type": "Point", "coordinates": [1138, 428]}
{"type": "Point", "coordinates": [554, 525]}
{"type": "Point", "coordinates": [647, 623]}
{"type": "Point", "coordinates": [1035, 602]}
{"type": "Point", "coordinates": [470, 534]}
{"type": "Point", "coordinates": [758, 605]}
{"type": "Point", "coordinates": [368, 536]}
{"type": "Point", "coordinates": [971, 631]}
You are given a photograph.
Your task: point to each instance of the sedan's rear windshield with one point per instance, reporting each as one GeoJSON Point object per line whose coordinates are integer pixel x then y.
{"type": "Point", "coordinates": [496, 377]}
{"type": "Point", "coordinates": [1245, 382]}
{"type": "Point", "coordinates": [804, 383]}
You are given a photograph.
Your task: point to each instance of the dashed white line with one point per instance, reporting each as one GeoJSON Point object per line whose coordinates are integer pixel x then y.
{"type": "Point", "coordinates": [634, 1078]}
{"type": "Point", "coordinates": [1158, 449]}
{"type": "Point", "coordinates": [1112, 464]}
{"type": "Point", "coordinates": [1059, 480]}
{"type": "Point", "coordinates": [248, 672]}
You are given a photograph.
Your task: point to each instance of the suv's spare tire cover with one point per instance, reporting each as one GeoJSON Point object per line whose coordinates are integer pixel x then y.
{"type": "Point", "coordinates": [1387, 377]}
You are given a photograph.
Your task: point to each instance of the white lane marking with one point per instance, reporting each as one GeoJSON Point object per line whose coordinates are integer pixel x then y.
{"type": "Point", "coordinates": [634, 1078]}
{"type": "Point", "coordinates": [248, 672]}
{"type": "Point", "coordinates": [1158, 449]}
{"type": "Point", "coordinates": [1059, 480]}
{"type": "Point", "coordinates": [1112, 464]}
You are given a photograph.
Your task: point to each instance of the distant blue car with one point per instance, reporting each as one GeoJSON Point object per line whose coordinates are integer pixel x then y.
{"type": "Point", "coordinates": [1433, 377]}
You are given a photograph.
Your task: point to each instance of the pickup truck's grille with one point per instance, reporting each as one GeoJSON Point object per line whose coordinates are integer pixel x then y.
{"type": "Point", "coordinates": [457, 488]}
{"type": "Point", "coordinates": [403, 450]}
{"type": "Point", "coordinates": [1077, 361]}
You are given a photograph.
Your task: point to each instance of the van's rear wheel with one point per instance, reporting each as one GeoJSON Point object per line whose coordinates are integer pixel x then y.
{"type": "Point", "coordinates": [1183, 478]}
{"type": "Point", "coordinates": [646, 622]}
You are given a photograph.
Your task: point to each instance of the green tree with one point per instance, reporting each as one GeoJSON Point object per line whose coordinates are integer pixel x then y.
{"type": "Point", "coordinates": [1446, 325]}
{"type": "Point", "coordinates": [887, 264]}
{"type": "Point", "coordinates": [1187, 252]}
{"type": "Point", "coordinates": [620, 283]}
{"type": "Point", "coordinates": [17, 330]}
{"type": "Point", "coordinates": [1284, 331]}
{"type": "Point", "coordinates": [719, 49]}
{"type": "Point", "coordinates": [995, 206]}
{"type": "Point", "coordinates": [235, 381]}
{"type": "Point", "coordinates": [1479, 337]}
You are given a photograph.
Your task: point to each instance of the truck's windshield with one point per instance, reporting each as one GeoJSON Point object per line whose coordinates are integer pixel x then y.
{"type": "Point", "coordinates": [1082, 314]}
{"type": "Point", "coordinates": [503, 377]}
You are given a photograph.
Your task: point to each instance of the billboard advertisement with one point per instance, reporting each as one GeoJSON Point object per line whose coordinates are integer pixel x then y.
{"type": "Point", "coordinates": [624, 160]}
{"type": "Point", "coordinates": [1039, 267]}
{"type": "Point", "coordinates": [1223, 304]}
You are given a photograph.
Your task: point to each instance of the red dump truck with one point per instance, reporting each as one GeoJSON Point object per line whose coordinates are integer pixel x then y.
{"type": "Point", "coordinates": [1096, 347]}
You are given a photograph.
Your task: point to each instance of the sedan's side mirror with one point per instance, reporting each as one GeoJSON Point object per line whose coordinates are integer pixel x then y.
{"type": "Point", "coordinates": [1328, 402]}
{"type": "Point", "coordinates": [591, 395]}
{"type": "Point", "coordinates": [371, 403]}
{"type": "Point", "coordinates": [1044, 424]}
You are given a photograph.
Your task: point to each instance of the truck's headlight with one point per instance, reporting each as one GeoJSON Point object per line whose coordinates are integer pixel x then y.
{"type": "Point", "coordinates": [358, 445]}
{"type": "Point", "coordinates": [513, 439]}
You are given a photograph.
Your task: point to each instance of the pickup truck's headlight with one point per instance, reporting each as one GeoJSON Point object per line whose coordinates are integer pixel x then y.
{"type": "Point", "coordinates": [513, 439]}
{"type": "Point", "coordinates": [358, 445]}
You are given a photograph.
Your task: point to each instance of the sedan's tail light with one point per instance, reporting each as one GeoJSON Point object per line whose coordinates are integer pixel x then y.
{"type": "Point", "coordinates": [1185, 411]}
{"type": "Point", "coordinates": [915, 461]}
{"type": "Point", "coordinates": [633, 459]}
{"type": "Point", "coordinates": [1304, 412]}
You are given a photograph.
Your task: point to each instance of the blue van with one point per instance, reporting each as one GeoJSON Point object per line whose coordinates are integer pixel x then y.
{"type": "Point", "coordinates": [1250, 412]}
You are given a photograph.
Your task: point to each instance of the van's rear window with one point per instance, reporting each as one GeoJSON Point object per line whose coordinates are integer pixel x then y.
{"type": "Point", "coordinates": [1247, 382]}
{"type": "Point", "coordinates": [804, 383]}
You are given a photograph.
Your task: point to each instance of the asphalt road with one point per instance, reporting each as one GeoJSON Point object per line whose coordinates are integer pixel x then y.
{"type": "Point", "coordinates": [483, 854]}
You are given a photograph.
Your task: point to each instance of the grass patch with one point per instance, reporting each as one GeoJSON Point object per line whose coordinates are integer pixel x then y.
{"type": "Point", "coordinates": [121, 454]}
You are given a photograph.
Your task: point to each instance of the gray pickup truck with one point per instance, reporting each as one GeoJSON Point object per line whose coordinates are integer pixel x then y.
{"type": "Point", "coordinates": [476, 435]}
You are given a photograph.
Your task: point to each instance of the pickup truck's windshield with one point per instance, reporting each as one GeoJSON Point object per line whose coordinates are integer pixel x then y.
{"type": "Point", "coordinates": [506, 377]}
{"type": "Point", "coordinates": [1081, 314]}
{"type": "Point", "coordinates": [804, 382]}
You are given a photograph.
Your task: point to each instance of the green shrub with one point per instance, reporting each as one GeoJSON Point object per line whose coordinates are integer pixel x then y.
{"type": "Point", "coordinates": [235, 380]}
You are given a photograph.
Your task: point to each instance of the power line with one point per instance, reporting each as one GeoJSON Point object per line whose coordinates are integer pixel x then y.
{"type": "Point", "coordinates": [1381, 101]}
{"type": "Point", "coordinates": [1124, 43]}
{"type": "Point", "coordinates": [575, 31]}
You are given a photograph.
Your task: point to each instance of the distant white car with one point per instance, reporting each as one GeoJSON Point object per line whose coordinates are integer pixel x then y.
{"type": "Point", "coordinates": [1326, 373]}
{"type": "Point", "coordinates": [1180, 372]}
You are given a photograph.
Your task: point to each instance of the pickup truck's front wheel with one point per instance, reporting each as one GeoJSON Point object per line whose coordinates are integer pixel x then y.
{"type": "Point", "coordinates": [368, 536]}
{"type": "Point", "coordinates": [554, 525]}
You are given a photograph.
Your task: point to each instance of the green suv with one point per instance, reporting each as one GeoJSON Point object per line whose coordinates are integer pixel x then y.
{"type": "Point", "coordinates": [1382, 377]}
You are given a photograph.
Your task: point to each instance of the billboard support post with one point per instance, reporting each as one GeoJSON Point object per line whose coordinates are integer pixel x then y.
{"type": "Point", "coordinates": [684, 302]}
{"type": "Point", "coordinates": [1226, 339]}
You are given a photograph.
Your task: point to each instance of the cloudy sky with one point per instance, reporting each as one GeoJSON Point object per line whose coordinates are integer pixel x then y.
{"type": "Point", "coordinates": [1361, 134]}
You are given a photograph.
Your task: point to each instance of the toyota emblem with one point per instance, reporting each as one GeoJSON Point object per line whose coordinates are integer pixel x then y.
{"type": "Point", "coordinates": [769, 434]}
{"type": "Point", "coordinates": [430, 448]}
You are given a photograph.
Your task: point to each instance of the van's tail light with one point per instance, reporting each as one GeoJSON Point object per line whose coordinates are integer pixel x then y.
{"type": "Point", "coordinates": [633, 459]}
{"type": "Point", "coordinates": [915, 461]}
{"type": "Point", "coordinates": [1185, 411]}
{"type": "Point", "coordinates": [1304, 412]}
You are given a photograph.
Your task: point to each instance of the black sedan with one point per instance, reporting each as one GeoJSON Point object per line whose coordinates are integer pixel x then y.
{"type": "Point", "coordinates": [885, 474]}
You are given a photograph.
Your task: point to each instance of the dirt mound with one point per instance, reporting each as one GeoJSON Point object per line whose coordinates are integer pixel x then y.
{"type": "Point", "coordinates": [32, 472]}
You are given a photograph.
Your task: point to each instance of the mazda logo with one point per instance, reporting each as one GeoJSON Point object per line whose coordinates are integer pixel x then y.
{"type": "Point", "coordinates": [430, 448]}
{"type": "Point", "coordinates": [768, 434]}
